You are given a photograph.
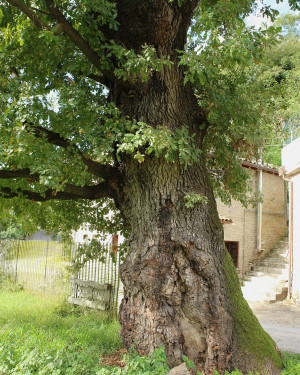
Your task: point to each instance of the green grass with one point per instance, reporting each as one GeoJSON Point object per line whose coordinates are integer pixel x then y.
{"type": "Point", "coordinates": [41, 334]}
{"type": "Point", "coordinates": [291, 364]}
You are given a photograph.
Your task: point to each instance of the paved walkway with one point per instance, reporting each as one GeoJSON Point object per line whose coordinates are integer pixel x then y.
{"type": "Point", "coordinates": [282, 321]}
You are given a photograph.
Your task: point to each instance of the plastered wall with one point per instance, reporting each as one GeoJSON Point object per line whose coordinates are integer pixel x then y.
{"type": "Point", "coordinates": [296, 239]}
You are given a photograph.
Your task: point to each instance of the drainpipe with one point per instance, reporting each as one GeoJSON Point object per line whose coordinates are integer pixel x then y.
{"type": "Point", "coordinates": [259, 207]}
{"type": "Point", "coordinates": [291, 196]}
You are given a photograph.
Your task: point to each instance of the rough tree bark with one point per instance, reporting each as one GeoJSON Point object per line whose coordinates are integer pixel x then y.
{"type": "Point", "coordinates": [181, 288]}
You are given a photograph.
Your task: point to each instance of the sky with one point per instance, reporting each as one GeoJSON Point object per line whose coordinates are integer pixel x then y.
{"type": "Point", "coordinates": [282, 7]}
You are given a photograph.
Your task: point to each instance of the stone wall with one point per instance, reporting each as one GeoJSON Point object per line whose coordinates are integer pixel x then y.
{"type": "Point", "coordinates": [274, 209]}
{"type": "Point", "coordinates": [244, 227]}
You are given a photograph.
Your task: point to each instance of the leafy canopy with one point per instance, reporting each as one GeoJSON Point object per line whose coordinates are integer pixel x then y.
{"type": "Point", "coordinates": [283, 66]}
{"type": "Point", "coordinates": [63, 138]}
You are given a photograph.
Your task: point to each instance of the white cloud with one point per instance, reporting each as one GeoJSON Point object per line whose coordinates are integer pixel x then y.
{"type": "Point", "coordinates": [257, 20]}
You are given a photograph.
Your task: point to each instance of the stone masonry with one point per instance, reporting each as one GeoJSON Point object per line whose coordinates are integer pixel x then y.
{"type": "Point", "coordinates": [244, 226]}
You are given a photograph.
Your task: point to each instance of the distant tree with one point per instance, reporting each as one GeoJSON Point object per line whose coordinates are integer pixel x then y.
{"type": "Point", "coordinates": [282, 67]}
{"type": "Point", "coordinates": [145, 107]}
{"type": "Point", "coordinates": [10, 230]}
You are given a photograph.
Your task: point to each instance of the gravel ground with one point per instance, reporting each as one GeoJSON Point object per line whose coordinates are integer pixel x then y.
{"type": "Point", "coordinates": [282, 321]}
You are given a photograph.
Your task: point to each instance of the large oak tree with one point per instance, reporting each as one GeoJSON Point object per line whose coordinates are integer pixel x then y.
{"type": "Point", "coordinates": [145, 106]}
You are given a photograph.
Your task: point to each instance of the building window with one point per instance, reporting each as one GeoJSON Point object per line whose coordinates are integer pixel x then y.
{"type": "Point", "coordinates": [233, 249]}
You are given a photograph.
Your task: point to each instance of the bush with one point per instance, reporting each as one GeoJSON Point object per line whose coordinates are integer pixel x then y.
{"type": "Point", "coordinates": [11, 231]}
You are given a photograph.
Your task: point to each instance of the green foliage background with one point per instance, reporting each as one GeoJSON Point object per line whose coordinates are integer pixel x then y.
{"type": "Point", "coordinates": [246, 81]}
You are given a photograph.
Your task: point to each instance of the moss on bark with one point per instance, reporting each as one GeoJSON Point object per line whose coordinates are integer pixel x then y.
{"type": "Point", "coordinates": [251, 337]}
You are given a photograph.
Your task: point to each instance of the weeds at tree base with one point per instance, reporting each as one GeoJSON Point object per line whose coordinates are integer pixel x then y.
{"type": "Point", "coordinates": [291, 364]}
{"type": "Point", "coordinates": [156, 363]}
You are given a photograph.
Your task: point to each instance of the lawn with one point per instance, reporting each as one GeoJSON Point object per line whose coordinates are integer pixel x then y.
{"type": "Point", "coordinates": [42, 334]}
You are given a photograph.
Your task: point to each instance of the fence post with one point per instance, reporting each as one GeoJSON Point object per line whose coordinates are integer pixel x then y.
{"type": "Point", "coordinates": [16, 268]}
{"type": "Point", "coordinates": [47, 248]}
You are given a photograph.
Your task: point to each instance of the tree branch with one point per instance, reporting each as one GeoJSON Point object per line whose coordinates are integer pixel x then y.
{"type": "Point", "coordinates": [30, 14]}
{"type": "Point", "coordinates": [70, 192]}
{"type": "Point", "coordinates": [77, 39]}
{"type": "Point", "coordinates": [41, 11]}
{"type": "Point", "coordinates": [63, 25]}
{"type": "Point", "coordinates": [103, 189]}
{"type": "Point", "coordinates": [104, 171]}
{"type": "Point", "coordinates": [19, 173]}
{"type": "Point", "coordinates": [73, 34]}
{"type": "Point", "coordinates": [95, 77]}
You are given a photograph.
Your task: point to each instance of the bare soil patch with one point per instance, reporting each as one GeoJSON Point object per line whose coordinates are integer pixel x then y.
{"type": "Point", "coordinates": [114, 359]}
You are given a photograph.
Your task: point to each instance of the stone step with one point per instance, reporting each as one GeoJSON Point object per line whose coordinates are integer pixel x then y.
{"type": "Point", "coordinates": [281, 295]}
{"type": "Point", "coordinates": [253, 272]}
{"type": "Point", "coordinates": [259, 297]}
{"type": "Point", "coordinates": [275, 261]}
{"type": "Point", "coordinates": [284, 240]}
{"type": "Point", "coordinates": [258, 288]}
{"type": "Point", "coordinates": [261, 290]}
{"type": "Point", "coordinates": [267, 279]}
{"type": "Point", "coordinates": [275, 265]}
{"type": "Point", "coordinates": [269, 270]}
{"type": "Point", "coordinates": [262, 277]}
{"type": "Point", "coordinates": [281, 245]}
{"type": "Point", "coordinates": [277, 254]}
{"type": "Point", "coordinates": [266, 295]}
{"type": "Point", "coordinates": [272, 259]}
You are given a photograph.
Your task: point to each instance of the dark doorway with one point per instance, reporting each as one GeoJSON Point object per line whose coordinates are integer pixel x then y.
{"type": "Point", "coordinates": [233, 249]}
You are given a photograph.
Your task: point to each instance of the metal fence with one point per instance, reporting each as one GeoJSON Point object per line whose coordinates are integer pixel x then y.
{"type": "Point", "coordinates": [46, 266]}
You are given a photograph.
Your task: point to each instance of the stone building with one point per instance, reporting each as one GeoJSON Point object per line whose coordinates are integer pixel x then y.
{"type": "Point", "coordinates": [253, 231]}
{"type": "Point", "coordinates": [291, 172]}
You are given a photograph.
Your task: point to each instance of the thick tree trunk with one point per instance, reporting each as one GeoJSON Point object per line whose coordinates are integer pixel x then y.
{"type": "Point", "coordinates": [181, 288]}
